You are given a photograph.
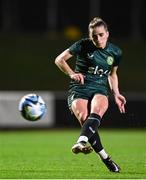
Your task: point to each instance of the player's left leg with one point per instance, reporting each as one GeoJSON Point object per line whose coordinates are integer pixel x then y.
{"type": "Point", "coordinates": [98, 148]}
{"type": "Point", "coordinates": [99, 105]}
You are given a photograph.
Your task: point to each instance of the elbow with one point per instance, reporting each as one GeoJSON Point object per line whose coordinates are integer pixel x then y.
{"type": "Point", "coordinates": [57, 61]}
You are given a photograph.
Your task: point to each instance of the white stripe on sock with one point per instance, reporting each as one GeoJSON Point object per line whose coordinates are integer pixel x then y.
{"type": "Point", "coordinates": [103, 154]}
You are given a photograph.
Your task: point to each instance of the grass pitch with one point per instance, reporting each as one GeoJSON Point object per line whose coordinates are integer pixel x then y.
{"type": "Point", "coordinates": [46, 154]}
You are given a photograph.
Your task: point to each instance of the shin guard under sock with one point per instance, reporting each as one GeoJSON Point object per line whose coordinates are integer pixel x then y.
{"type": "Point", "coordinates": [91, 125]}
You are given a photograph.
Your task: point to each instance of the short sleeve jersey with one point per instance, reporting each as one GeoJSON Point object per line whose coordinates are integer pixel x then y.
{"type": "Point", "coordinates": [94, 61]}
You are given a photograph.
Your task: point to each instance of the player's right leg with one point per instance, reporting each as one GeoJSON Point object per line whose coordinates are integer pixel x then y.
{"type": "Point", "coordinates": [80, 110]}
{"type": "Point", "coordinates": [91, 123]}
{"type": "Point", "coordinates": [81, 148]}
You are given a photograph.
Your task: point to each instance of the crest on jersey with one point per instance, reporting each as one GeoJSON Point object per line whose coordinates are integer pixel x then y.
{"type": "Point", "coordinates": [110, 60]}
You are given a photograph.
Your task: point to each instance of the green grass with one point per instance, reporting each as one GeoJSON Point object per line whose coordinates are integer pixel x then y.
{"type": "Point", "coordinates": [46, 155]}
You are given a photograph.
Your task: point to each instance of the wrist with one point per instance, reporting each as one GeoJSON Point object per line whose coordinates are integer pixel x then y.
{"type": "Point", "coordinates": [71, 74]}
{"type": "Point", "coordinates": [116, 93]}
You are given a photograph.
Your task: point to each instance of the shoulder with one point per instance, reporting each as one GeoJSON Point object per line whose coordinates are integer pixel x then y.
{"type": "Point", "coordinates": [84, 41]}
{"type": "Point", "coordinates": [80, 45]}
{"type": "Point", "coordinates": [117, 51]}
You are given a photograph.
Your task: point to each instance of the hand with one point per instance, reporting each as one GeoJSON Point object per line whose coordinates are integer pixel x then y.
{"type": "Point", "coordinates": [78, 77]}
{"type": "Point", "coordinates": [120, 101]}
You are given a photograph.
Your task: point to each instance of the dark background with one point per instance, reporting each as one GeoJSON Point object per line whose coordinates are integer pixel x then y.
{"type": "Point", "coordinates": [34, 32]}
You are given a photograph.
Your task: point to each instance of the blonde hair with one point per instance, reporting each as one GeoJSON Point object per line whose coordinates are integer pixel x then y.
{"type": "Point", "coordinates": [97, 21]}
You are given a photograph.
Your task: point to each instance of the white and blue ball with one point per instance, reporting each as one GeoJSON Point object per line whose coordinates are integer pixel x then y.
{"type": "Point", "coordinates": [32, 107]}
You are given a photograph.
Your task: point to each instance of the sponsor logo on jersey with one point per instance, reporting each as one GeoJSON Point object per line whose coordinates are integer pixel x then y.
{"type": "Point", "coordinates": [110, 60]}
{"type": "Point", "coordinates": [99, 71]}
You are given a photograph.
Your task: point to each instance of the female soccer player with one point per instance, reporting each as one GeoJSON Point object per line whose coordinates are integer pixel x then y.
{"type": "Point", "coordinates": [94, 77]}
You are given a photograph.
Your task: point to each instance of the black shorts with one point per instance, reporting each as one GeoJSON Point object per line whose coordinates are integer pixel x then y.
{"type": "Point", "coordinates": [84, 94]}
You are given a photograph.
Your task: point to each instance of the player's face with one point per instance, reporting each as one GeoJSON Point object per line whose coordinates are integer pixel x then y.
{"type": "Point", "coordinates": [99, 35]}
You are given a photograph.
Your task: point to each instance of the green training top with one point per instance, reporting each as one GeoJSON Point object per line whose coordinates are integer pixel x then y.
{"type": "Point", "coordinates": [95, 63]}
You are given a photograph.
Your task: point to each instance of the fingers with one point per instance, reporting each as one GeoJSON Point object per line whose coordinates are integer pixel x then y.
{"type": "Point", "coordinates": [122, 105]}
{"type": "Point", "coordinates": [124, 100]}
{"type": "Point", "coordinates": [81, 78]}
{"type": "Point", "coordinates": [78, 77]}
{"type": "Point", "coordinates": [122, 109]}
{"type": "Point", "coordinates": [120, 101]}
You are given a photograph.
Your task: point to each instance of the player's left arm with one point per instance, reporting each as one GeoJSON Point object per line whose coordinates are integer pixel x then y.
{"type": "Point", "coordinates": [119, 98]}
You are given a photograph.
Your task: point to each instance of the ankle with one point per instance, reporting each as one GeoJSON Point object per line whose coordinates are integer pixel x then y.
{"type": "Point", "coordinates": [103, 154]}
{"type": "Point", "coordinates": [82, 139]}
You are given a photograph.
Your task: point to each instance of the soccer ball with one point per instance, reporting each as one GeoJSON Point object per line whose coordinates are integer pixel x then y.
{"type": "Point", "coordinates": [32, 107]}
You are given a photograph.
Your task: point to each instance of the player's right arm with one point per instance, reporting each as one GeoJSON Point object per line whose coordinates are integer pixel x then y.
{"type": "Point", "coordinates": [61, 62]}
